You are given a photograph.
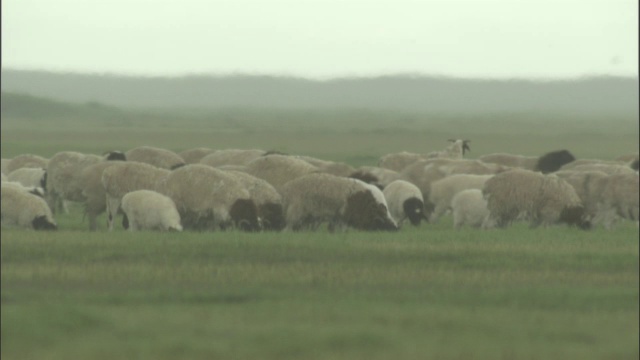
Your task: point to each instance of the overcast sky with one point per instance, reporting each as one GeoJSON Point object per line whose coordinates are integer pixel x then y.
{"type": "Point", "coordinates": [324, 38]}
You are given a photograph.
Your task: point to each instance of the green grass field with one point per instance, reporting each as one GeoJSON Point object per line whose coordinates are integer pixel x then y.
{"type": "Point", "coordinates": [422, 293]}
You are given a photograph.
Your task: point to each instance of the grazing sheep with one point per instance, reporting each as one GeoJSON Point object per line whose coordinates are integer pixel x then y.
{"type": "Point", "coordinates": [35, 190]}
{"type": "Point", "coordinates": [469, 207]}
{"type": "Point", "coordinates": [377, 176]}
{"type": "Point", "coordinates": [553, 161]}
{"type": "Point", "coordinates": [193, 156]}
{"type": "Point", "coordinates": [316, 198]}
{"type": "Point", "coordinates": [208, 198]}
{"type": "Point", "coordinates": [542, 199]}
{"type": "Point", "coordinates": [63, 178]}
{"type": "Point", "coordinates": [515, 161]}
{"type": "Point", "coordinates": [589, 186]}
{"type": "Point", "coordinates": [93, 191]}
{"type": "Point", "coordinates": [399, 161]}
{"type": "Point", "coordinates": [26, 161]}
{"type": "Point", "coordinates": [442, 191]}
{"type": "Point", "coordinates": [279, 169]}
{"type": "Point", "coordinates": [29, 177]}
{"type": "Point", "coordinates": [149, 210]}
{"type": "Point", "coordinates": [127, 176]}
{"type": "Point", "coordinates": [454, 151]}
{"type": "Point", "coordinates": [232, 157]}
{"type": "Point", "coordinates": [162, 158]}
{"type": "Point", "coordinates": [266, 198]}
{"type": "Point", "coordinates": [627, 158]}
{"type": "Point", "coordinates": [619, 199]}
{"type": "Point", "coordinates": [405, 202]}
{"type": "Point", "coordinates": [23, 209]}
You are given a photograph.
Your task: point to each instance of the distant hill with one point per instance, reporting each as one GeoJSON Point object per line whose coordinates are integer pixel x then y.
{"type": "Point", "coordinates": [598, 95]}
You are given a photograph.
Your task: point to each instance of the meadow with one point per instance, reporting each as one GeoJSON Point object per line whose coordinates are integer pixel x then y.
{"type": "Point", "coordinates": [421, 293]}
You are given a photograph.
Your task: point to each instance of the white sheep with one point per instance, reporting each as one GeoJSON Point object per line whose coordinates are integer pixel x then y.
{"type": "Point", "coordinates": [626, 158]}
{"type": "Point", "coordinates": [193, 156]}
{"type": "Point", "coordinates": [399, 161]}
{"type": "Point", "coordinates": [267, 199]}
{"type": "Point", "coordinates": [316, 198]}
{"type": "Point", "coordinates": [542, 199]}
{"type": "Point", "coordinates": [511, 160]}
{"type": "Point", "coordinates": [469, 207]}
{"type": "Point", "coordinates": [162, 158]}
{"type": "Point", "coordinates": [126, 176]}
{"type": "Point", "coordinates": [208, 199]}
{"type": "Point", "coordinates": [63, 178]}
{"type": "Point", "coordinates": [405, 202]}
{"type": "Point", "coordinates": [23, 209]}
{"type": "Point", "coordinates": [231, 157]}
{"type": "Point", "coordinates": [36, 177]}
{"type": "Point", "coordinates": [28, 161]}
{"type": "Point", "coordinates": [93, 191]}
{"type": "Point", "coordinates": [442, 191]}
{"type": "Point", "coordinates": [456, 150]}
{"type": "Point", "coordinates": [35, 190]}
{"type": "Point", "coordinates": [149, 210]}
{"type": "Point", "coordinates": [277, 169]}
{"type": "Point", "coordinates": [619, 199]}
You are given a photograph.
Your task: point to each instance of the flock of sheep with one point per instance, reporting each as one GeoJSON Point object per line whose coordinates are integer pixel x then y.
{"type": "Point", "coordinates": [253, 190]}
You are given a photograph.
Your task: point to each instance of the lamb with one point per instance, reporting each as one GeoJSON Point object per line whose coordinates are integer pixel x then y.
{"type": "Point", "coordinates": [127, 176]}
{"type": "Point", "coordinates": [469, 207]}
{"type": "Point", "coordinates": [516, 161]}
{"type": "Point", "coordinates": [26, 210]}
{"type": "Point", "coordinates": [404, 201]}
{"type": "Point", "coordinates": [619, 199]}
{"type": "Point", "coordinates": [149, 210]}
{"type": "Point", "coordinates": [279, 169]}
{"type": "Point", "coordinates": [28, 161]}
{"type": "Point", "coordinates": [442, 191]}
{"type": "Point", "coordinates": [209, 199]}
{"type": "Point", "coordinates": [29, 177]}
{"type": "Point", "coordinates": [316, 198]}
{"type": "Point", "coordinates": [63, 178]}
{"type": "Point", "coordinates": [162, 158]}
{"type": "Point", "coordinates": [553, 161]}
{"type": "Point", "coordinates": [454, 151]}
{"type": "Point", "coordinates": [232, 157]}
{"type": "Point", "coordinates": [542, 199]}
{"type": "Point", "coordinates": [266, 198]}
{"type": "Point", "coordinates": [193, 156]}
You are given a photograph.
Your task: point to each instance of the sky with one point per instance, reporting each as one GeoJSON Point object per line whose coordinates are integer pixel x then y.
{"type": "Point", "coordinates": [324, 38]}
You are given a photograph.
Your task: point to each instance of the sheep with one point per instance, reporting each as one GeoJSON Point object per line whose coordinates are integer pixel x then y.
{"type": "Point", "coordinates": [404, 201]}
{"type": "Point", "coordinates": [318, 197]}
{"type": "Point", "coordinates": [149, 210]}
{"type": "Point", "coordinates": [36, 177]}
{"type": "Point", "coordinates": [581, 162]}
{"type": "Point", "coordinates": [606, 168]}
{"type": "Point", "coordinates": [329, 167]}
{"type": "Point", "coordinates": [25, 210]}
{"type": "Point", "coordinates": [162, 158]}
{"type": "Point", "coordinates": [127, 176]}
{"type": "Point", "coordinates": [279, 169]}
{"type": "Point", "coordinates": [93, 191]}
{"type": "Point", "coordinates": [542, 199]}
{"type": "Point", "coordinates": [231, 157]}
{"type": "Point", "coordinates": [516, 161]}
{"type": "Point", "coordinates": [469, 207]}
{"type": "Point", "coordinates": [627, 158]}
{"type": "Point", "coordinates": [208, 199]}
{"type": "Point", "coordinates": [193, 156]}
{"type": "Point", "coordinates": [399, 161]}
{"type": "Point", "coordinates": [619, 199]}
{"type": "Point", "coordinates": [454, 151]}
{"type": "Point", "coordinates": [35, 190]}
{"type": "Point", "coordinates": [63, 178]}
{"type": "Point", "coordinates": [377, 176]}
{"type": "Point", "coordinates": [553, 161]}
{"type": "Point", "coordinates": [588, 185]}
{"type": "Point", "coordinates": [266, 198]}
{"type": "Point", "coordinates": [28, 161]}
{"type": "Point", "coordinates": [442, 191]}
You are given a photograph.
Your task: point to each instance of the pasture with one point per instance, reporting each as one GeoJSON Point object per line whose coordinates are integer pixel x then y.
{"type": "Point", "coordinates": [428, 292]}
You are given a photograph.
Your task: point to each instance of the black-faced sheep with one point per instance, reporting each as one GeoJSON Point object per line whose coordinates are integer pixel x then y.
{"type": "Point", "coordinates": [23, 209]}
{"type": "Point", "coordinates": [542, 199]}
{"type": "Point", "coordinates": [162, 158]}
{"type": "Point", "coordinates": [405, 202]}
{"type": "Point", "coordinates": [313, 199]}
{"type": "Point", "coordinates": [149, 210]}
{"type": "Point", "coordinates": [553, 161]}
{"type": "Point", "coordinates": [210, 199]}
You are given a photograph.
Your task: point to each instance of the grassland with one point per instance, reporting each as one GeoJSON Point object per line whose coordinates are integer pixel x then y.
{"type": "Point", "coordinates": [423, 293]}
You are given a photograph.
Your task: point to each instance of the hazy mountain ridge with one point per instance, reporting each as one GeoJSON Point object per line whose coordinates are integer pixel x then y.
{"type": "Point", "coordinates": [605, 95]}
